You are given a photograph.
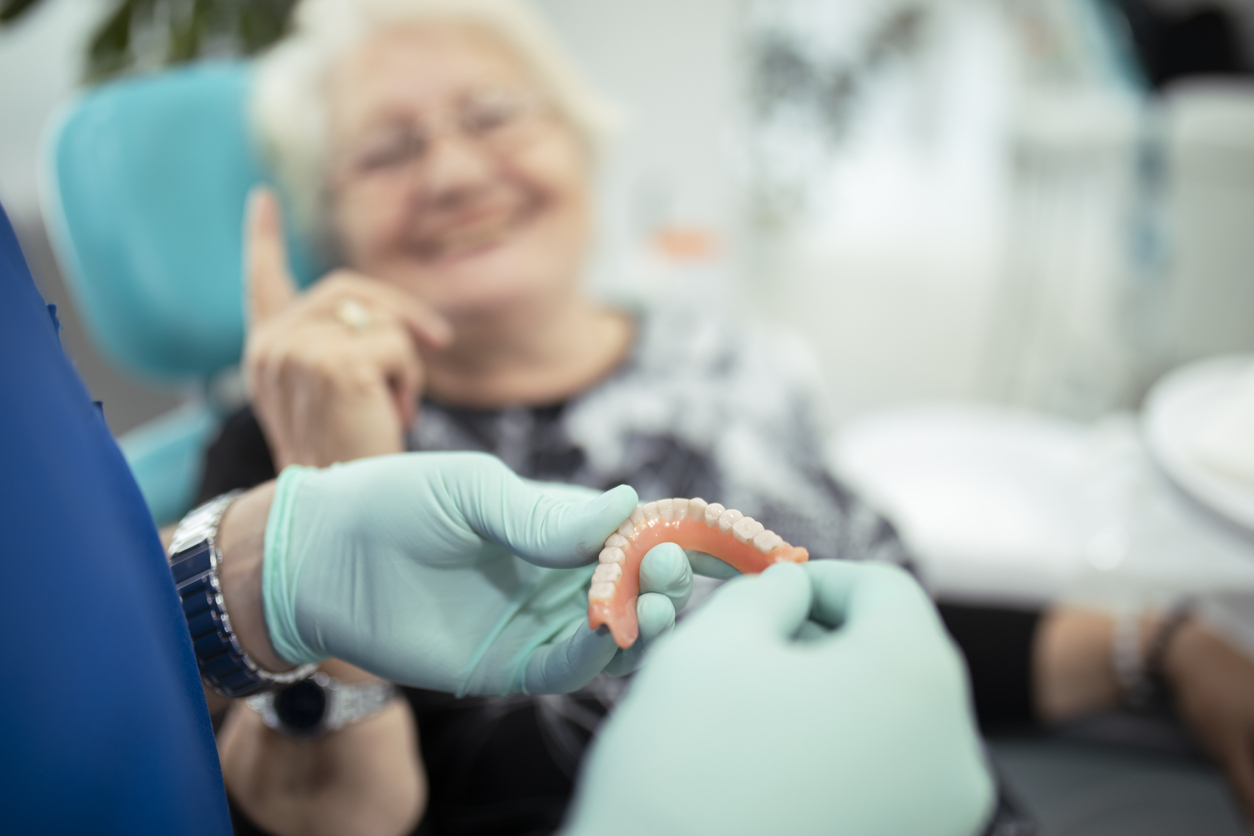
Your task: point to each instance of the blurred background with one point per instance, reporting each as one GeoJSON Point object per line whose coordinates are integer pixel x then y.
{"type": "Point", "coordinates": [1031, 212]}
{"type": "Point", "coordinates": [1045, 204]}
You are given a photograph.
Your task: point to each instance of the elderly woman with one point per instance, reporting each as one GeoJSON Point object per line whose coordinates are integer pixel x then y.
{"type": "Point", "coordinates": [441, 152]}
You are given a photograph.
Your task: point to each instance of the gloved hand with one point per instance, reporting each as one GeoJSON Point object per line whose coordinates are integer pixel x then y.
{"type": "Point", "coordinates": [405, 565]}
{"type": "Point", "coordinates": [738, 727]}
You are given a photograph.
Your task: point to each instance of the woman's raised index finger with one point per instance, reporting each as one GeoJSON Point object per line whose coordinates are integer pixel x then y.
{"type": "Point", "coordinates": [269, 286]}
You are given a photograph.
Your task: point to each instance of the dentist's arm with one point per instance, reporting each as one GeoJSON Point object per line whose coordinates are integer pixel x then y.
{"type": "Point", "coordinates": [366, 778]}
{"type": "Point", "coordinates": [444, 571]}
{"type": "Point", "coordinates": [241, 538]}
{"type": "Point", "coordinates": [426, 540]}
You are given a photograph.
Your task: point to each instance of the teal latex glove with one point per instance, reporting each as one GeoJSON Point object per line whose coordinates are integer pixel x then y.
{"type": "Point", "coordinates": [405, 565]}
{"type": "Point", "coordinates": [735, 726]}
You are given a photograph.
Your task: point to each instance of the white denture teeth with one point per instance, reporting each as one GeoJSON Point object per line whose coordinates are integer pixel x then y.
{"type": "Point", "coordinates": [626, 530]}
{"type": "Point", "coordinates": [680, 507]}
{"type": "Point", "coordinates": [712, 512]}
{"type": "Point", "coordinates": [601, 592]}
{"type": "Point", "coordinates": [650, 511]}
{"type": "Point", "coordinates": [696, 508]}
{"type": "Point", "coordinates": [607, 573]}
{"type": "Point", "coordinates": [746, 528]}
{"type": "Point", "coordinates": [727, 519]}
{"type": "Point", "coordinates": [617, 541]}
{"type": "Point", "coordinates": [637, 516]}
{"type": "Point", "coordinates": [767, 540]}
{"type": "Point", "coordinates": [612, 554]}
{"type": "Point", "coordinates": [666, 509]}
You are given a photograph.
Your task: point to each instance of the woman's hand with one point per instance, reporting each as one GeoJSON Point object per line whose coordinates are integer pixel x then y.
{"type": "Point", "coordinates": [334, 374]}
{"type": "Point", "coordinates": [1213, 687]}
{"type": "Point", "coordinates": [363, 779]}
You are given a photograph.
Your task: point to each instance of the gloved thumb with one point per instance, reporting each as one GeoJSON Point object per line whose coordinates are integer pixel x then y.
{"type": "Point", "coordinates": [774, 603]}
{"type": "Point", "coordinates": [869, 597]}
{"type": "Point", "coordinates": [570, 663]}
{"type": "Point", "coordinates": [561, 533]}
{"type": "Point", "coordinates": [547, 527]}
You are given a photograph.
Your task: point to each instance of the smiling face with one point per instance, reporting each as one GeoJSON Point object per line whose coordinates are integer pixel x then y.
{"type": "Point", "coordinates": [452, 176]}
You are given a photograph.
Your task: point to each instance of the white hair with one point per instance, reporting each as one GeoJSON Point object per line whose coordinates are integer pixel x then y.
{"type": "Point", "coordinates": [288, 108]}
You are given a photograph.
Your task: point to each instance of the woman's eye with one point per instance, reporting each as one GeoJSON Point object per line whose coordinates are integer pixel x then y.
{"type": "Point", "coordinates": [486, 117]}
{"type": "Point", "coordinates": [389, 154]}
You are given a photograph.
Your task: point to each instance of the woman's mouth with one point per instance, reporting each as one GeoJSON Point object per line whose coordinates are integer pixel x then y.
{"type": "Point", "coordinates": [473, 232]}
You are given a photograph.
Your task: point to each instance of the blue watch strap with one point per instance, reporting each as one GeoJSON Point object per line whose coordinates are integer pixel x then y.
{"type": "Point", "coordinates": [194, 561]}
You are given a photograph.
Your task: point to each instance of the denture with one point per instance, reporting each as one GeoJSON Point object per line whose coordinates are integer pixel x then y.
{"type": "Point", "coordinates": [740, 541]}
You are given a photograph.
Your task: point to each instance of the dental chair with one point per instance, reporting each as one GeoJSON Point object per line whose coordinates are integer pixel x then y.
{"type": "Point", "coordinates": [145, 184]}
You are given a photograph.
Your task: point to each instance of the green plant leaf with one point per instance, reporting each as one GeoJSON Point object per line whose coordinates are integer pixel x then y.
{"type": "Point", "coordinates": [176, 31]}
{"type": "Point", "coordinates": [11, 10]}
{"type": "Point", "coordinates": [110, 49]}
{"type": "Point", "coordinates": [185, 33]}
{"type": "Point", "coordinates": [261, 23]}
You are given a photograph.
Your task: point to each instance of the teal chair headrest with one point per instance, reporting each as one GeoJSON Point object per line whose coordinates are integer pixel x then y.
{"type": "Point", "coordinates": [147, 181]}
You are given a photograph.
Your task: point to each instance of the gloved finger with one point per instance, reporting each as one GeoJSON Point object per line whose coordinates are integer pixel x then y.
{"type": "Point", "coordinates": [710, 566]}
{"type": "Point", "coordinates": [665, 570]}
{"type": "Point", "coordinates": [774, 603]}
{"type": "Point", "coordinates": [569, 663]}
{"type": "Point", "coordinates": [811, 631]}
{"type": "Point", "coordinates": [656, 615]}
{"type": "Point", "coordinates": [626, 661]}
{"type": "Point", "coordinates": [538, 527]}
{"type": "Point", "coordinates": [871, 596]}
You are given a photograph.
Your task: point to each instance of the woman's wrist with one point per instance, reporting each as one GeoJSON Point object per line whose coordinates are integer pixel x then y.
{"type": "Point", "coordinates": [241, 540]}
{"type": "Point", "coordinates": [1076, 665]}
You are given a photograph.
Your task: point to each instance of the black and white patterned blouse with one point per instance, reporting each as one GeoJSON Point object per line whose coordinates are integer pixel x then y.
{"type": "Point", "coordinates": [699, 408]}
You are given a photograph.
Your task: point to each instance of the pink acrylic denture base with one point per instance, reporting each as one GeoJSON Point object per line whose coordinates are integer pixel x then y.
{"type": "Point", "coordinates": [619, 612]}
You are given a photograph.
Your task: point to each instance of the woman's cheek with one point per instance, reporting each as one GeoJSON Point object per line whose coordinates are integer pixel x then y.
{"type": "Point", "coordinates": [368, 243]}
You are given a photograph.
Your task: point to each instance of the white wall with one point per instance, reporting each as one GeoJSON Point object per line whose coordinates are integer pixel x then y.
{"type": "Point", "coordinates": [672, 68]}
{"type": "Point", "coordinates": [892, 279]}
{"type": "Point", "coordinates": [40, 61]}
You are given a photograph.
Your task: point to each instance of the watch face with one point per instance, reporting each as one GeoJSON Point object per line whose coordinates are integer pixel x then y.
{"type": "Point", "coordinates": [301, 706]}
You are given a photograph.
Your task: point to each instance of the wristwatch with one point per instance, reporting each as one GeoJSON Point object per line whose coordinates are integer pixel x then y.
{"type": "Point", "coordinates": [320, 704]}
{"type": "Point", "coordinates": [194, 560]}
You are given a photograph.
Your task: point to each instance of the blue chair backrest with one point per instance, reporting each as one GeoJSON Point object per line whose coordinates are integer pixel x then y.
{"type": "Point", "coordinates": [148, 178]}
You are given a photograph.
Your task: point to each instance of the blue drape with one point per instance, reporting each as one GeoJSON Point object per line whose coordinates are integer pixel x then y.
{"type": "Point", "coordinates": [103, 724]}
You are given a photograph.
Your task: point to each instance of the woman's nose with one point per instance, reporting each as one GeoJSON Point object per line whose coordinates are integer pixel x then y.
{"type": "Point", "coordinates": [453, 165]}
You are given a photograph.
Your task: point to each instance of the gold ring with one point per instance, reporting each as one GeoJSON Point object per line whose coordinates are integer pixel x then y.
{"type": "Point", "coordinates": [354, 315]}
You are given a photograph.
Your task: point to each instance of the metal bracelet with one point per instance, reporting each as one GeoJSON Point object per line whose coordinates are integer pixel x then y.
{"type": "Point", "coordinates": [1129, 660]}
